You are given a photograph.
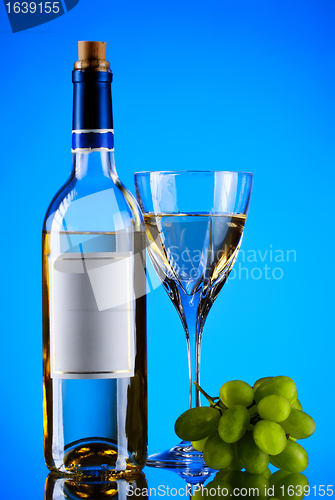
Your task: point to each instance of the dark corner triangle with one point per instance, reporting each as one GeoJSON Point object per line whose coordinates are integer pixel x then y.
{"type": "Point", "coordinates": [69, 4]}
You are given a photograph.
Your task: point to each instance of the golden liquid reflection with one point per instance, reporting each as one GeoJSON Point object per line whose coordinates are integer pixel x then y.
{"type": "Point", "coordinates": [61, 488]}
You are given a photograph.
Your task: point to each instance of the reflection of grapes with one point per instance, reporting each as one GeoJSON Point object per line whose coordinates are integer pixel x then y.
{"type": "Point", "coordinates": [249, 426]}
{"type": "Point", "coordinates": [259, 482]}
{"type": "Point", "coordinates": [292, 486]}
{"type": "Point", "coordinates": [282, 485]}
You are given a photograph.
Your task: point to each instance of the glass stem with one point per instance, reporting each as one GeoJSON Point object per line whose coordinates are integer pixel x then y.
{"type": "Point", "coordinates": [193, 348]}
{"type": "Point", "coordinates": [193, 330]}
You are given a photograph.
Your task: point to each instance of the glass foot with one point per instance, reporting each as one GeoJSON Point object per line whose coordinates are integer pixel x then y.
{"type": "Point", "coordinates": [183, 457]}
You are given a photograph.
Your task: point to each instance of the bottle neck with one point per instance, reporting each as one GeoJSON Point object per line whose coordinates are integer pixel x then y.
{"type": "Point", "coordinates": [94, 165]}
{"type": "Point", "coordinates": [92, 127]}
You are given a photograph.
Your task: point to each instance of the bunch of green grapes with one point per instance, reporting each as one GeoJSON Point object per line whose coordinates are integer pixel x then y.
{"type": "Point", "coordinates": [250, 427]}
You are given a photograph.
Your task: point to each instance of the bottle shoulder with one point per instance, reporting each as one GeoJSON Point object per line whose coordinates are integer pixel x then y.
{"type": "Point", "coordinates": [95, 204]}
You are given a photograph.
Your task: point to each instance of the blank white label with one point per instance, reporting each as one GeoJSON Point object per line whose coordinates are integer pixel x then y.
{"type": "Point", "coordinates": [92, 315]}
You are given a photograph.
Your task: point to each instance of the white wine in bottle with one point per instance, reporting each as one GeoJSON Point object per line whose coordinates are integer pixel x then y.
{"type": "Point", "coordinates": [94, 302]}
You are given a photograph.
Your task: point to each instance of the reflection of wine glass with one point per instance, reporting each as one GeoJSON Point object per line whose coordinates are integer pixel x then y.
{"type": "Point", "coordinates": [194, 224]}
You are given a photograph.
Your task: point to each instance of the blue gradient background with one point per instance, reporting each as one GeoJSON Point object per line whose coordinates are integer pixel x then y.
{"type": "Point", "coordinates": [235, 85]}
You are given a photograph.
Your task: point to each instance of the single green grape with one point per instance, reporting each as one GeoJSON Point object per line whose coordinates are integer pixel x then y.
{"type": "Point", "coordinates": [259, 483]}
{"type": "Point", "coordinates": [299, 424]}
{"type": "Point", "coordinates": [259, 382]}
{"type": "Point", "coordinates": [236, 392]}
{"type": "Point", "coordinates": [217, 454]}
{"type": "Point", "coordinates": [279, 474]}
{"type": "Point", "coordinates": [274, 408]}
{"type": "Point", "coordinates": [281, 386]}
{"type": "Point", "coordinates": [291, 487]}
{"type": "Point", "coordinates": [254, 460]}
{"type": "Point", "coordinates": [293, 458]}
{"type": "Point", "coordinates": [269, 437]}
{"type": "Point", "coordinates": [233, 423]}
{"type": "Point", "coordinates": [296, 405]}
{"type": "Point", "coordinates": [199, 445]}
{"type": "Point", "coordinates": [197, 423]}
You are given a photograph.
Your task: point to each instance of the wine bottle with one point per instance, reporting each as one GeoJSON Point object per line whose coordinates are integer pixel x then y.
{"type": "Point", "coordinates": [94, 302]}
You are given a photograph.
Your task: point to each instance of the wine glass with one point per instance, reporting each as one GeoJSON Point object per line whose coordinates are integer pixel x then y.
{"type": "Point", "coordinates": [194, 224]}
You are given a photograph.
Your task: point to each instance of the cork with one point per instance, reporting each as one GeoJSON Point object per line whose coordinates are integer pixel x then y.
{"type": "Point", "coordinates": [92, 56]}
{"type": "Point", "coordinates": [91, 50]}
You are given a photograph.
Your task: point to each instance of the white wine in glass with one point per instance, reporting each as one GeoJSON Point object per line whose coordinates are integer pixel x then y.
{"type": "Point", "coordinates": [194, 224]}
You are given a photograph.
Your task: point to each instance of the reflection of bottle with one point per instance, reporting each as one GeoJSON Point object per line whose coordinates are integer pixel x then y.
{"type": "Point", "coordinates": [71, 489]}
{"type": "Point", "coordinates": [94, 304]}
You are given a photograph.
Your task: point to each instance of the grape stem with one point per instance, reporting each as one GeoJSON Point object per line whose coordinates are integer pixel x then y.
{"type": "Point", "coordinates": [254, 419]}
{"type": "Point", "coordinates": [204, 393]}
